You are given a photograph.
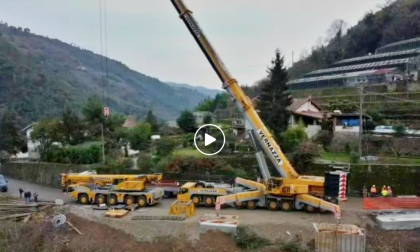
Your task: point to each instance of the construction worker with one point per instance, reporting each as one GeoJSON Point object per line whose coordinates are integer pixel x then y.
{"type": "Point", "coordinates": [384, 192]}
{"type": "Point", "coordinates": [35, 197]}
{"type": "Point", "coordinates": [383, 188]}
{"type": "Point", "coordinates": [20, 192]}
{"type": "Point", "coordinates": [389, 191]}
{"type": "Point", "coordinates": [373, 191]}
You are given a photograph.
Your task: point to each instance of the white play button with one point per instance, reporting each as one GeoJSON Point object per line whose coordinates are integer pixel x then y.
{"type": "Point", "coordinates": [208, 139]}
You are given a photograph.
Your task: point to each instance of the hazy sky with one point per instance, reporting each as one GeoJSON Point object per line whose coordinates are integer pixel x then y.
{"type": "Point", "coordinates": [149, 37]}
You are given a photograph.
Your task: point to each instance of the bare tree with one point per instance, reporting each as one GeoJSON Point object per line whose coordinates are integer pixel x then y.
{"type": "Point", "coordinates": [336, 33]}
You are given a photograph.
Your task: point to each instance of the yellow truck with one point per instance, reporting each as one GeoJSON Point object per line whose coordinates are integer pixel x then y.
{"type": "Point", "coordinates": [91, 177]}
{"type": "Point", "coordinates": [119, 192]}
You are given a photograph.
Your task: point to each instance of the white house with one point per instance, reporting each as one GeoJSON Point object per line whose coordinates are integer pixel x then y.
{"type": "Point", "coordinates": [309, 112]}
{"type": "Point", "coordinates": [200, 115]}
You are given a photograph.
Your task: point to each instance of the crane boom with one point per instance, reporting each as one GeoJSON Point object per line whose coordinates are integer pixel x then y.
{"type": "Point", "coordinates": [243, 102]}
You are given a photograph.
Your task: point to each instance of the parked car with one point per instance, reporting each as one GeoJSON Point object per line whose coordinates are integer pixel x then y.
{"type": "Point", "coordinates": [3, 184]}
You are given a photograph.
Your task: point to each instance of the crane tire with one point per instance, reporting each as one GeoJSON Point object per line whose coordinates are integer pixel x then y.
{"type": "Point", "coordinates": [196, 199]}
{"type": "Point", "coordinates": [83, 198]}
{"type": "Point", "coordinates": [209, 201]}
{"type": "Point", "coordinates": [129, 200]}
{"type": "Point", "coordinates": [100, 199]}
{"type": "Point", "coordinates": [142, 201]}
{"type": "Point", "coordinates": [273, 205]}
{"type": "Point", "coordinates": [112, 200]}
{"type": "Point", "coordinates": [286, 206]}
{"type": "Point", "coordinates": [250, 204]}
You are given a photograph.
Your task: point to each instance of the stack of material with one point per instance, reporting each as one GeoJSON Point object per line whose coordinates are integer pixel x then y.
{"type": "Point", "coordinates": [12, 208]}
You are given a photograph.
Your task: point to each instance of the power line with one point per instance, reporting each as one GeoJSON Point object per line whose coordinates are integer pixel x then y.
{"type": "Point", "coordinates": [102, 57]}
{"type": "Point", "coordinates": [106, 53]}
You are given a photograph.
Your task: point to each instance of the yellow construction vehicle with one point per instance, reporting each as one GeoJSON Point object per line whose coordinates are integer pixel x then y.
{"type": "Point", "coordinates": [120, 190]}
{"type": "Point", "coordinates": [290, 191]}
{"type": "Point", "coordinates": [90, 177]}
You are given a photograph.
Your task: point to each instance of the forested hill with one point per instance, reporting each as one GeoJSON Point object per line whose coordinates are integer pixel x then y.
{"type": "Point", "coordinates": [396, 21]}
{"type": "Point", "coordinates": [40, 76]}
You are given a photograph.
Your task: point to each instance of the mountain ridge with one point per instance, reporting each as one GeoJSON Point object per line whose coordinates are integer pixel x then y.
{"type": "Point", "coordinates": [203, 90]}
{"type": "Point", "coordinates": [40, 76]}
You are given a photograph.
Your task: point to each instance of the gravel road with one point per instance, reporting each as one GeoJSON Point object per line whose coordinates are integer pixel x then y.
{"type": "Point", "coordinates": [44, 193]}
{"type": "Point", "coordinates": [272, 225]}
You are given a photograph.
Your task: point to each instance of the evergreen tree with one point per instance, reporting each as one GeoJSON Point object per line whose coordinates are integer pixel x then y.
{"type": "Point", "coordinates": [186, 121]}
{"type": "Point", "coordinates": [152, 120]}
{"type": "Point", "coordinates": [275, 97]}
{"type": "Point", "coordinates": [11, 139]}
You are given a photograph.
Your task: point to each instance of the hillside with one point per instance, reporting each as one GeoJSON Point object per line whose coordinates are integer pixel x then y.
{"type": "Point", "coordinates": [40, 76]}
{"type": "Point", "coordinates": [398, 20]}
{"type": "Point", "coordinates": [203, 90]}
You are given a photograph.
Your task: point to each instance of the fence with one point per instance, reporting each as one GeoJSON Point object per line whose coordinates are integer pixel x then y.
{"type": "Point", "coordinates": [394, 203]}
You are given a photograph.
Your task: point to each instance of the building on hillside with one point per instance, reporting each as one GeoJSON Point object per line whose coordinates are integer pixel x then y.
{"type": "Point", "coordinates": [130, 122]}
{"type": "Point", "coordinates": [309, 113]}
{"type": "Point", "coordinates": [200, 115]}
{"type": "Point", "coordinates": [347, 122]}
{"type": "Point", "coordinates": [391, 64]}
{"type": "Point", "coordinates": [32, 153]}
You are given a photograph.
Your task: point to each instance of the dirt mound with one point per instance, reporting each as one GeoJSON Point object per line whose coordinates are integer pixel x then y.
{"type": "Point", "coordinates": [40, 235]}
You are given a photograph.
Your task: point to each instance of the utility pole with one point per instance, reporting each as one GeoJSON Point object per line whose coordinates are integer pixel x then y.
{"type": "Point", "coordinates": [103, 145]}
{"type": "Point", "coordinates": [361, 120]}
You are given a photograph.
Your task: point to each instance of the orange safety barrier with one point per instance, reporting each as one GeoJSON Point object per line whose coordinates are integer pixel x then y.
{"type": "Point", "coordinates": [392, 203]}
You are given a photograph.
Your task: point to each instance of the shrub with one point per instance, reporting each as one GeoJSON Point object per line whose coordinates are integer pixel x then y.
{"type": "Point", "coordinates": [73, 155]}
{"type": "Point", "coordinates": [248, 240]}
{"type": "Point", "coordinates": [354, 157]}
{"type": "Point", "coordinates": [293, 137]}
{"type": "Point", "coordinates": [324, 137]}
{"type": "Point", "coordinates": [305, 154]}
{"type": "Point", "coordinates": [144, 163]}
{"type": "Point", "coordinates": [347, 148]}
{"type": "Point", "coordinates": [165, 147]}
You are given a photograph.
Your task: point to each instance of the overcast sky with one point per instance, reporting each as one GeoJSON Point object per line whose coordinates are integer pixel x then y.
{"type": "Point", "coordinates": [148, 36]}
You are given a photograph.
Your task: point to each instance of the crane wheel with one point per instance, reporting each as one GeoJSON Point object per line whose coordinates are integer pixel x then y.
{"type": "Point", "coordinates": [129, 200]}
{"type": "Point", "coordinates": [273, 205]}
{"type": "Point", "coordinates": [142, 201]}
{"type": "Point", "coordinates": [83, 198]}
{"type": "Point", "coordinates": [251, 205]}
{"type": "Point", "coordinates": [310, 209]}
{"type": "Point", "coordinates": [199, 185]}
{"type": "Point", "coordinates": [239, 204]}
{"type": "Point", "coordinates": [286, 206]}
{"type": "Point", "coordinates": [196, 199]}
{"type": "Point", "coordinates": [209, 201]}
{"type": "Point", "coordinates": [112, 200]}
{"type": "Point", "coordinates": [100, 199]}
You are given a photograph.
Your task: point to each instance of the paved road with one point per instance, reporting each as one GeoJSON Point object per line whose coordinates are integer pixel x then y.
{"type": "Point", "coordinates": [44, 193]}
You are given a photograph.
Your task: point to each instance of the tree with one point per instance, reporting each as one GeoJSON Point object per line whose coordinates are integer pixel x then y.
{"type": "Point", "coordinates": [72, 127]}
{"type": "Point", "coordinates": [93, 111]}
{"type": "Point", "coordinates": [275, 97]}
{"type": "Point", "coordinates": [293, 136]}
{"type": "Point", "coordinates": [345, 106]}
{"type": "Point", "coordinates": [46, 132]}
{"type": "Point", "coordinates": [152, 120]}
{"type": "Point", "coordinates": [186, 121]}
{"type": "Point", "coordinates": [336, 32]}
{"type": "Point", "coordinates": [305, 155]}
{"type": "Point", "coordinates": [11, 139]}
{"type": "Point", "coordinates": [140, 136]}
{"type": "Point", "coordinates": [207, 119]}
{"type": "Point", "coordinates": [399, 130]}
{"type": "Point", "coordinates": [165, 147]}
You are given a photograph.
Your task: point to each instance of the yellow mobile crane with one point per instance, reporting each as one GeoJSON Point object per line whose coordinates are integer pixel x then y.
{"type": "Point", "coordinates": [88, 187]}
{"type": "Point", "coordinates": [291, 190]}
{"type": "Point", "coordinates": [68, 179]}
